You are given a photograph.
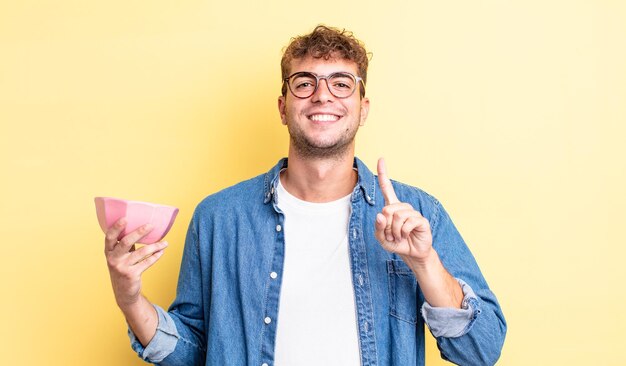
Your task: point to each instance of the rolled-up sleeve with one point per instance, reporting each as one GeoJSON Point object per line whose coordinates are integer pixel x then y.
{"type": "Point", "coordinates": [162, 344]}
{"type": "Point", "coordinates": [451, 322]}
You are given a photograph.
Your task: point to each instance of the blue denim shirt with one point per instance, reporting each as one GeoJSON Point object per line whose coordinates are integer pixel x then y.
{"type": "Point", "coordinates": [226, 306]}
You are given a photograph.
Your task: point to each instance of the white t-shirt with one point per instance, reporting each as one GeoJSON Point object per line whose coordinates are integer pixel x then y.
{"type": "Point", "coordinates": [317, 315]}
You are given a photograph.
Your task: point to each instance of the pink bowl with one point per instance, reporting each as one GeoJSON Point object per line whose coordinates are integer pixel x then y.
{"type": "Point", "coordinates": [161, 217]}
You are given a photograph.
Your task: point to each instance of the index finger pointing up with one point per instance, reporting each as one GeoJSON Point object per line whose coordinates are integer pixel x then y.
{"type": "Point", "coordinates": [385, 183]}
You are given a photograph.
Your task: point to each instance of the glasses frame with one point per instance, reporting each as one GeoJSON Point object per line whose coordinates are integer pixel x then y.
{"type": "Point", "coordinates": [318, 78]}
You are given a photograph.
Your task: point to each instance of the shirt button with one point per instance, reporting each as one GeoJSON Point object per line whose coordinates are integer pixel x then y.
{"type": "Point", "coordinates": [264, 364]}
{"type": "Point", "coordinates": [267, 320]}
{"type": "Point", "coordinates": [273, 275]}
{"type": "Point", "coordinates": [278, 228]}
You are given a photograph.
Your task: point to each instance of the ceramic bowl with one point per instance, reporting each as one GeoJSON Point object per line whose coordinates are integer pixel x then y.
{"type": "Point", "coordinates": [161, 217]}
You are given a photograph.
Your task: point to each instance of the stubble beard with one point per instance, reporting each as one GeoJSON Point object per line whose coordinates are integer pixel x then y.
{"type": "Point", "coordinates": [310, 149]}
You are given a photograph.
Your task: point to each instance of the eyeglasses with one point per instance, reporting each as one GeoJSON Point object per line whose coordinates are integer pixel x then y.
{"type": "Point", "coordinates": [303, 84]}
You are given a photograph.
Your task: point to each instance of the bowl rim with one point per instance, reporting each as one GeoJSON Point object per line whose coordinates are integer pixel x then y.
{"type": "Point", "coordinates": [107, 198]}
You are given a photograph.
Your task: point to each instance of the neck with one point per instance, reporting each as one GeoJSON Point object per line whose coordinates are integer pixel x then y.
{"type": "Point", "coordinates": [319, 179]}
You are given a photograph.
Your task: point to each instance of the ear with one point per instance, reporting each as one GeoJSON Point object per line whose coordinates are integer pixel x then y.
{"type": "Point", "coordinates": [281, 109]}
{"type": "Point", "coordinates": [365, 109]}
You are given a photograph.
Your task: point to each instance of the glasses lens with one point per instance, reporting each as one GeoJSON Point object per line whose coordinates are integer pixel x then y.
{"type": "Point", "coordinates": [341, 84]}
{"type": "Point", "coordinates": [302, 84]}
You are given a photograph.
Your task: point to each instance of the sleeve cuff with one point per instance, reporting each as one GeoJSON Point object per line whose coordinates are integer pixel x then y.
{"type": "Point", "coordinates": [163, 342]}
{"type": "Point", "coordinates": [451, 322]}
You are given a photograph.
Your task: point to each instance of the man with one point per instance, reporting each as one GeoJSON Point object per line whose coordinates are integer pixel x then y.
{"type": "Point", "coordinates": [316, 262]}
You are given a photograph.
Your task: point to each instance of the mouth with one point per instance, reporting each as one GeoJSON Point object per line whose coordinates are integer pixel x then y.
{"type": "Point", "coordinates": [319, 117]}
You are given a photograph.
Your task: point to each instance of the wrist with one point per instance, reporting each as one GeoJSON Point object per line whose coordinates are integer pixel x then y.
{"type": "Point", "coordinates": [440, 289]}
{"type": "Point", "coordinates": [130, 305]}
{"type": "Point", "coordinates": [424, 263]}
{"type": "Point", "coordinates": [143, 319]}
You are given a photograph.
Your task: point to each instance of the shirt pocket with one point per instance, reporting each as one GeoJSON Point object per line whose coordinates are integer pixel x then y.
{"type": "Point", "coordinates": [402, 291]}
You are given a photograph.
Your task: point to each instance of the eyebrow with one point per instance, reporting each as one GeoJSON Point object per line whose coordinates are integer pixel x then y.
{"type": "Point", "coordinates": [332, 73]}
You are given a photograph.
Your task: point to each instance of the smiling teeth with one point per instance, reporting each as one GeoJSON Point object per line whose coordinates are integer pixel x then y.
{"type": "Point", "coordinates": [324, 117]}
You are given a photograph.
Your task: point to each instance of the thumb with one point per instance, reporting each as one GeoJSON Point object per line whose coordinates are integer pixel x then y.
{"type": "Point", "coordinates": [381, 222]}
{"type": "Point", "coordinates": [380, 225]}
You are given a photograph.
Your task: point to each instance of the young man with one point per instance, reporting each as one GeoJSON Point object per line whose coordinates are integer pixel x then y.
{"type": "Point", "coordinates": [318, 261]}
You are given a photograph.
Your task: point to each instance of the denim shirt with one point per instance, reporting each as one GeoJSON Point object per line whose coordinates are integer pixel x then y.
{"type": "Point", "coordinates": [226, 306]}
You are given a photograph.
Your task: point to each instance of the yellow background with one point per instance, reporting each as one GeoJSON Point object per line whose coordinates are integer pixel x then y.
{"type": "Point", "coordinates": [512, 113]}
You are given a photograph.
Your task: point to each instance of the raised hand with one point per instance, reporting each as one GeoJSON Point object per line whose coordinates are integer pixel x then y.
{"type": "Point", "coordinates": [402, 230]}
{"type": "Point", "coordinates": [399, 227]}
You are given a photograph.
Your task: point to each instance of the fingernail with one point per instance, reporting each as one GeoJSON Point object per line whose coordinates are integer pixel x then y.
{"type": "Point", "coordinates": [379, 218]}
{"type": "Point", "coordinates": [389, 237]}
{"type": "Point", "coordinates": [165, 243]}
{"type": "Point", "coordinates": [121, 222]}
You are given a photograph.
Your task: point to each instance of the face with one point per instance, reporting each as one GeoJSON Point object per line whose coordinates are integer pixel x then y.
{"type": "Point", "coordinates": [323, 125]}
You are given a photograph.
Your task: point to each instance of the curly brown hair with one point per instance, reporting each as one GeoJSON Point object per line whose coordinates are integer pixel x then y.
{"type": "Point", "coordinates": [326, 43]}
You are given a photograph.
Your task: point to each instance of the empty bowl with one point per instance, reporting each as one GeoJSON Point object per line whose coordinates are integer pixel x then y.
{"type": "Point", "coordinates": [161, 217]}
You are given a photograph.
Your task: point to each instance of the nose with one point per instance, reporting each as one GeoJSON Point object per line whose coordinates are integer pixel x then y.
{"type": "Point", "coordinates": [322, 94]}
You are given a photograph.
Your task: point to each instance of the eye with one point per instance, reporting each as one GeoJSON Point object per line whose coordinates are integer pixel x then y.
{"type": "Point", "coordinates": [302, 84]}
{"type": "Point", "coordinates": [341, 85]}
{"type": "Point", "coordinates": [303, 81]}
{"type": "Point", "coordinates": [342, 81]}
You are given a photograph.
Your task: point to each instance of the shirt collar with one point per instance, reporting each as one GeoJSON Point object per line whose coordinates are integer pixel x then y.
{"type": "Point", "coordinates": [366, 180]}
